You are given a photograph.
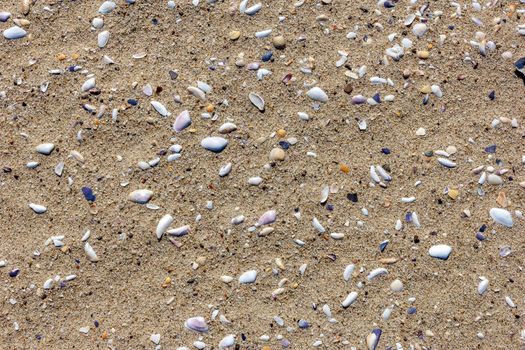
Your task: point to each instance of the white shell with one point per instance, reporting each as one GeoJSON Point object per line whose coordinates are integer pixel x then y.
{"type": "Point", "coordinates": [446, 163]}
{"type": "Point", "coordinates": [92, 256]}
{"type": "Point", "coordinates": [107, 7]}
{"type": "Point", "coordinates": [227, 341]}
{"type": "Point", "coordinates": [89, 84]}
{"type": "Point", "coordinates": [14, 33]}
{"type": "Point", "coordinates": [494, 179]}
{"type": "Point", "coordinates": [37, 208]}
{"type": "Point", "coordinates": [396, 285]}
{"type": "Point", "coordinates": [140, 196]}
{"type": "Point", "coordinates": [103, 38]}
{"type": "Point", "coordinates": [248, 277]}
{"type": "Point", "coordinates": [255, 181]}
{"type": "Point", "coordinates": [317, 94]}
{"type": "Point", "coordinates": [383, 173]}
{"type": "Point", "coordinates": [349, 300]}
{"type": "Point", "coordinates": [225, 170]}
{"type": "Point", "coordinates": [179, 231]}
{"type": "Point", "coordinates": [97, 22]}
{"type": "Point", "coordinates": [373, 174]}
{"type": "Point", "coordinates": [163, 225]}
{"type": "Point", "coordinates": [440, 251]}
{"type": "Point", "coordinates": [227, 128]}
{"type": "Point", "coordinates": [483, 285]}
{"type": "Point", "coordinates": [324, 194]}
{"type": "Point", "coordinates": [45, 148]}
{"type": "Point", "coordinates": [197, 93]}
{"type": "Point", "coordinates": [147, 90]}
{"type": "Point", "coordinates": [242, 6]}
{"type": "Point", "coordinates": [159, 107]}
{"type": "Point", "coordinates": [317, 225]}
{"type": "Point", "coordinates": [215, 144]}
{"type": "Point", "coordinates": [155, 338]}
{"type": "Point", "coordinates": [203, 86]}
{"type": "Point", "coordinates": [48, 284]}
{"type": "Point", "coordinates": [226, 279]}
{"type": "Point", "coordinates": [347, 274]}
{"type": "Point", "coordinates": [376, 273]}
{"type": "Point", "coordinates": [182, 121]}
{"type": "Point", "coordinates": [501, 216]}
{"type": "Point", "coordinates": [257, 101]}
{"type": "Point", "coordinates": [252, 10]}
{"type": "Point", "coordinates": [419, 29]}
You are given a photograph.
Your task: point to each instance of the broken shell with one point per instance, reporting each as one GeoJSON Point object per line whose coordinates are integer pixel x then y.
{"type": "Point", "coordinates": [182, 121]}
{"type": "Point", "coordinates": [163, 225]}
{"type": "Point", "coordinates": [140, 196]}
{"type": "Point", "coordinates": [179, 231]}
{"type": "Point", "coordinates": [440, 251]}
{"type": "Point", "coordinates": [317, 94]}
{"type": "Point", "coordinates": [103, 38]}
{"type": "Point", "coordinates": [45, 148]}
{"type": "Point", "coordinates": [197, 324]}
{"type": "Point", "coordinates": [248, 277]}
{"type": "Point", "coordinates": [159, 107]}
{"type": "Point", "coordinates": [214, 143]}
{"type": "Point", "coordinates": [257, 101]}
{"type": "Point", "coordinates": [92, 256]}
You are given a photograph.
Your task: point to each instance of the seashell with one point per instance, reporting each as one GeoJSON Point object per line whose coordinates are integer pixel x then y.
{"type": "Point", "coordinates": [509, 302]}
{"type": "Point", "coordinates": [14, 33]}
{"type": "Point", "coordinates": [92, 256]}
{"type": "Point", "coordinates": [197, 93]}
{"type": "Point", "coordinates": [179, 231]}
{"type": "Point", "coordinates": [37, 208]}
{"type": "Point", "coordinates": [214, 143]}
{"type": "Point", "coordinates": [436, 90]}
{"type": "Point", "coordinates": [410, 19]}
{"type": "Point", "coordinates": [252, 10]}
{"type": "Point", "coordinates": [227, 128]}
{"type": "Point", "coordinates": [446, 163]}
{"type": "Point", "coordinates": [376, 273]}
{"type": "Point", "coordinates": [396, 286]}
{"type": "Point", "coordinates": [77, 156]}
{"type": "Point", "coordinates": [226, 279]}
{"type": "Point", "coordinates": [86, 235]}
{"type": "Point", "coordinates": [163, 225]}
{"type": "Point", "coordinates": [347, 274]}
{"type": "Point", "coordinates": [263, 33]}
{"type": "Point", "coordinates": [32, 165]}
{"type": "Point", "coordinates": [373, 339]}
{"type": "Point", "coordinates": [494, 179]}
{"type": "Point", "coordinates": [197, 324]}
{"type": "Point", "coordinates": [440, 251]}
{"type": "Point", "coordinates": [4, 16]}
{"type": "Point", "coordinates": [59, 169]}
{"type": "Point", "coordinates": [143, 165]}
{"type": "Point", "coordinates": [182, 121]}
{"type": "Point", "coordinates": [44, 86]}
{"type": "Point", "coordinates": [48, 284]}
{"type": "Point", "coordinates": [408, 199]}
{"type": "Point", "coordinates": [337, 235]}
{"type": "Point", "coordinates": [349, 300]}
{"type": "Point", "coordinates": [267, 218]}
{"type": "Point", "coordinates": [242, 6]}
{"type": "Point", "coordinates": [248, 277]}
{"type": "Point", "coordinates": [324, 194]}
{"type": "Point", "coordinates": [159, 107]}
{"type": "Point", "coordinates": [89, 84]}
{"type": "Point", "coordinates": [383, 173]}
{"type": "Point", "coordinates": [262, 72]}
{"type": "Point", "coordinates": [107, 7]}
{"type": "Point", "coordinates": [483, 285]}
{"type": "Point", "coordinates": [358, 99]}
{"type": "Point", "coordinates": [203, 86]}
{"type": "Point", "coordinates": [103, 38]}
{"type": "Point", "coordinates": [420, 29]}
{"type": "Point", "coordinates": [415, 220]}
{"type": "Point", "coordinates": [327, 311]}
{"type": "Point", "coordinates": [501, 216]}
{"type": "Point", "coordinates": [97, 22]}
{"type": "Point", "coordinates": [257, 101]}
{"type": "Point", "coordinates": [227, 341]}
{"type": "Point", "coordinates": [303, 116]}
{"type": "Point", "coordinates": [317, 225]}
{"type": "Point", "coordinates": [45, 148]}
{"type": "Point", "coordinates": [155, 338]}
{"type": "Point", "coordinates": [107, 60]}
{"type": "Point", "coordinates": [255, 181]}
{"type": "Point", "coordinates": [225, 170]}
{"type": "Point", "coordinates": [317, 94]}
{"type": "Point", "coordinates": [387, 312]}
{"type": "Point", "coordinates": [373, 174]}
{"type": "Point", "coordinates": [140, 196]}
{"type": "Point", "coordinates": [147, 90]}
{"type": "Point", "coordinates": [238, 220]}
{"type": "Point", "coordinates": [399, 225]}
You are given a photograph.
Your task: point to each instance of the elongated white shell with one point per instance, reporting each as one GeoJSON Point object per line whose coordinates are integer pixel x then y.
{"type": "Point", "coordinates": [446, 163]}
{"type": "Point", "coordinates": [225, 170]}
{"type": "Point", "coordinates": [317, 94]}
{"type": "Point", "coordinates": [501, 216]}
{"type": "Point", "coordinates": [349, 300]}
{"type": "Point", "coordinates": [317, 225]}
{"type": "Point", "coordinates": [89, 84]}
{"type": "Point", "coordinates": [227, 128]}
{"type": "Point", "coordinates": [483, 285]}
{"type": "Point", "coordinates": [92, 256]}
{"type": "Point", "coordinates": [197, 93]}
{"type": "Point", "coordinates": [376, 273]}
{"type": "Point", "coordinates": [255, 181]}
{"type": "Point", "coordinates": [373, 174]}
{"type": "Point", "coordinates": [37, 208]}
{"type": "Point", "coordinates": [347, 274]}
{"type": "Point", "coordinates": [103, 38]}
{"type": "Point", "coordinates": [440, 251]}
{"type": "Point", "coordinates": [179, 231]}
{"type": "Point", "coordinates": [215, 144]}
{"type": "Point", "coordinates": [267, 218]}
{"type": "Point", "coordinates": [252, 10]}
{"type": "Point", "coordinates": [248, 277]}
{"type": "Point", "coordinates": [163, 225]}
{"type": "Point", "coordinates": [159, 107]}
{"type": "Point", "coordinates": [140, 196]}
{"type": "Point", "coordinates": [107, 7]}
{"type": "Point", "coordinates": [257, 101]}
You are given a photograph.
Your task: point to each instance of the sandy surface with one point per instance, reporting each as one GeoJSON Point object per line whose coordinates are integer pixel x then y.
{"type": "Point", "coordinates": [126, 292]}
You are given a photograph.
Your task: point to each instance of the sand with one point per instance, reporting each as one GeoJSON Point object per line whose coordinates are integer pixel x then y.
{"type": "Point", "coordinates": [126, 292]}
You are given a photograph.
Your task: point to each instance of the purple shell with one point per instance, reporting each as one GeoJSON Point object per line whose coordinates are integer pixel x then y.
{"type": "Point", "coordinates": [268, 217]}
{"type": "Point", "coordinates": [182, 121]}
{"type": "Point", "coordinates": [197, 324]}
{"type": "Point", "coordinates": [373, 339]}
{"type": "Point", "coordinates": [358, 100]}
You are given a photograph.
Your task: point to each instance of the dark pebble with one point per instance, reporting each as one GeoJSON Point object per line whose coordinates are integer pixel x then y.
{"type": "Point", "coordinates": [411, 310]}
{"type": "Point", "coordinates": [385, 150]}
{"type": "Point", "coordinates": [348, 89]}
{"type": "Point", "coordinates": [284, 144]}
{"type": "Point", "coordinates": [267, 56]}
{"type": "Point", "coordinates": [492, 95]}
{"type": "Point", "coordinates": [490, 149]}
{"type": "Point", "coordinates": [88, 194]}
{"type": "Point", "coordinates": [303, 324]}
{"type": "Point", "coordinates": [352, 197]}
{"type": "Point", "coordinates": [14, 273]}
{"type": "Point", "coordinates": [133, 102]}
